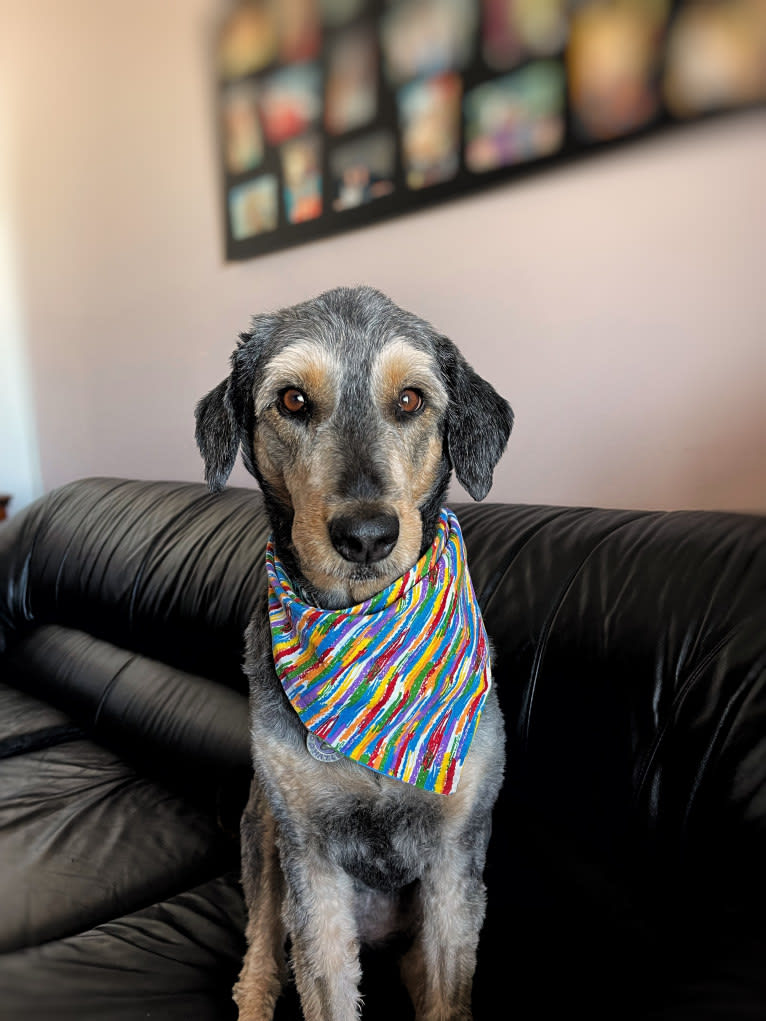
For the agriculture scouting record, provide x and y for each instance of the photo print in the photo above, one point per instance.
(254, 207)
(429, 118)
(614, 66)
(363, 170)
(519, 117)
(302, 177)
(242, 136)
(422, 37)
(290, 101)
(351, 95)
(517, 30)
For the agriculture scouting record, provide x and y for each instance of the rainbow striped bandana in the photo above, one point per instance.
(397, 682)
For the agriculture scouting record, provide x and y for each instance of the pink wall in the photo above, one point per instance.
(618, 303)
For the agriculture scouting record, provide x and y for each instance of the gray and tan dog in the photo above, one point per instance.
(351, 413)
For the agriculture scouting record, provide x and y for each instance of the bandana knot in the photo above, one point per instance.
(396, 683)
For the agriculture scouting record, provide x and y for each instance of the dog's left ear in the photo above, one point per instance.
(479, 422)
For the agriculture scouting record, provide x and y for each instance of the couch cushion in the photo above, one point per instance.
(29, 723)
(176, 960)
(84, 838)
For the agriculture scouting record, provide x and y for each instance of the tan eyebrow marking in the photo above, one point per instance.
(306, 364)
(401, 364)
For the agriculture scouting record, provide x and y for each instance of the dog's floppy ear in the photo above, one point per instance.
(479, 422)
(225, 416)
(217, 435)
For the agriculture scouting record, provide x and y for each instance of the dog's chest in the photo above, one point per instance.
(384, 843)
(378, 830)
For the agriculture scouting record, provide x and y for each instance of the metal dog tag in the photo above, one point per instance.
(319, 749)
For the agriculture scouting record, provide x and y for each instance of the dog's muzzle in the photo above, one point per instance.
(364, 538)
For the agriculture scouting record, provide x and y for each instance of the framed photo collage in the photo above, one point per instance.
(335, 114)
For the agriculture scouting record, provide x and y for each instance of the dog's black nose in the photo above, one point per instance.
(363, 539)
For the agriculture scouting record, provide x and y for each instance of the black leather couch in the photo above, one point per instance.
(627, 869)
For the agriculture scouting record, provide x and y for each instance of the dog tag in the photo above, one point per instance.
(319, 749)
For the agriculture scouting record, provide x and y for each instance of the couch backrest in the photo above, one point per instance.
(630, 648)
(164, 569)
(631, 653)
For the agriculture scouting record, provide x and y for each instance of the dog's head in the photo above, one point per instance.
(350, 413)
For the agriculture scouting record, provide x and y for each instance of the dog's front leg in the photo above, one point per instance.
(264, 970)
(438, 969)
(319, 914)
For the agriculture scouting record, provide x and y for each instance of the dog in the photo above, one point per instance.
(351, 413)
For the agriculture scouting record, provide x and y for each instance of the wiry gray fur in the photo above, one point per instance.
(333, 854)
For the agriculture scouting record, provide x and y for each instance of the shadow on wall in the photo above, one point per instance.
(20, 477)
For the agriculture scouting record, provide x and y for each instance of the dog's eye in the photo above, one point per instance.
(293, 400)
(410, 400)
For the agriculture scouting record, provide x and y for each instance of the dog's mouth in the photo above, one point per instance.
(364, 574)
(342, 586)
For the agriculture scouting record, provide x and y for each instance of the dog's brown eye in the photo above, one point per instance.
(293, 400)
(409, 401)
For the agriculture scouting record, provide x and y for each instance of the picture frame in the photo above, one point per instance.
(336, 114)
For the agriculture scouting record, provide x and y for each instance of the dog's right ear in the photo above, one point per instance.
(217, 435)
(225, 416)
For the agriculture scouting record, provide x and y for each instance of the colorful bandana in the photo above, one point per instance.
(396, 683)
